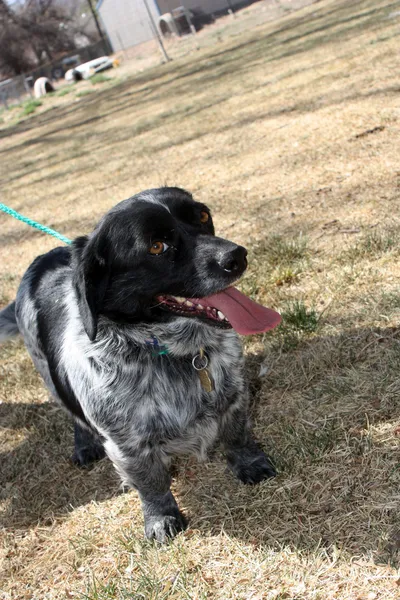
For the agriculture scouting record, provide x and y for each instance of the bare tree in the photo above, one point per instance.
(36, 31)
(15, 56)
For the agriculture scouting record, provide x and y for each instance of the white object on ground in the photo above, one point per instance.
(42, 87)
(90, 68)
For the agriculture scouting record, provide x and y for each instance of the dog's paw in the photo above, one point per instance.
(85, 457)
(250, 467)
(162, 527)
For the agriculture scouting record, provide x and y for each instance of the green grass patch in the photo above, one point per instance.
(284, 275)
(300, 318)
(281, 260)
(99, 591)
(372, 245)
(278, 250)
(84, 93)
(276, 261)
(63, 92)
(99, 78)
(30, 106)
(298, 323)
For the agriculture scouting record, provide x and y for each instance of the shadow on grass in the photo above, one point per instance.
(327, 412)
(38, 481)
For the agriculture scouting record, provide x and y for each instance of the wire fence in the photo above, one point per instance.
(140, 42)
(12, 90)
(19, 88)
(182, 30)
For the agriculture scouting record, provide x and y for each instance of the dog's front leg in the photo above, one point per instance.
(150, 477)
(88, 447)
(244, 456)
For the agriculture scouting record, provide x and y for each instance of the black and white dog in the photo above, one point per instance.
(132, 329)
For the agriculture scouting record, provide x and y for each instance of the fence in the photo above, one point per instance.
(130, 35)
(128, 23)
(17, 89)
(133, 33)
(12, 90)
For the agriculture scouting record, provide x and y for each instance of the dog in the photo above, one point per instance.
(133, 330)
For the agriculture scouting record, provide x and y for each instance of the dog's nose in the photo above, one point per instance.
(234, 260)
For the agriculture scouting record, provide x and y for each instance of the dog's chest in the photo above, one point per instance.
(163, 399)
(166, 384)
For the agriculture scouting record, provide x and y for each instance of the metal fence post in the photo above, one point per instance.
(156, 33)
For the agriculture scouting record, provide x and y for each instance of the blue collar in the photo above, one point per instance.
(157, 349)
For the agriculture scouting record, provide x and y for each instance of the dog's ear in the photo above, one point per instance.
(91, 276)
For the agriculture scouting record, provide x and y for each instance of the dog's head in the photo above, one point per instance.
(153, 257)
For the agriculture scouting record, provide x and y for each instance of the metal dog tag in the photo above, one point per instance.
(205, 380)
(200, 363)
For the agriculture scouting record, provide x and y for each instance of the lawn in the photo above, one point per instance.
(290, 132)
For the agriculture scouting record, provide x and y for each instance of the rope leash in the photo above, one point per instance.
(32, 223)
(158, 349)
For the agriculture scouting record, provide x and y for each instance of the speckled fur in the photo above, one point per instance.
(140, 407)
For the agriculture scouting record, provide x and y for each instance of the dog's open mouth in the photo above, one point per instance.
(194, 307)
(227, 309)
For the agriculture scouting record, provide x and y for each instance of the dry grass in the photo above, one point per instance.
(291, 134)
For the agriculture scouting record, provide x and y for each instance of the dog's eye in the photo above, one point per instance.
(158, 248)
(204, 216)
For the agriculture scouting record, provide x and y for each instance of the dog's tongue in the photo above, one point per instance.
(245, 316)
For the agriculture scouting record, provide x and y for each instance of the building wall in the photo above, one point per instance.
(127, 22)
(208, 7)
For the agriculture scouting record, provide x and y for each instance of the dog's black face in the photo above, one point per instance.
(148, 256)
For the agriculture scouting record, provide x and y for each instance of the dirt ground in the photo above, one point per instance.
(290, 133)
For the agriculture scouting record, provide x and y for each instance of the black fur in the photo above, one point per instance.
(120, 360)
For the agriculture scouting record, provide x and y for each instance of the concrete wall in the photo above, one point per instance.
(127, 22)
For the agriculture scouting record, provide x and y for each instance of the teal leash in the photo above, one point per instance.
(157, 349)
(32, 223)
